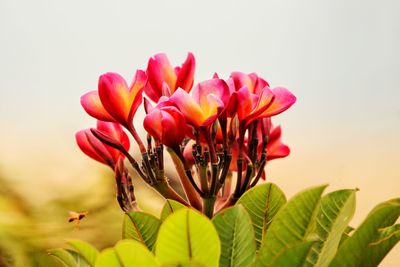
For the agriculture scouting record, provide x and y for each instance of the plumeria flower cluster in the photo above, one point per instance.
(218, 132)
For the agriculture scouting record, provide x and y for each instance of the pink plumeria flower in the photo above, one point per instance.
(115, 100)
(253, 99)
(163, 79)
(207, 101)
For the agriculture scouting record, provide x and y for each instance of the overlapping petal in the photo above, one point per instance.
(250, 107)
(115, 133)
(217, 87)
(259, 104)
(162, 76)
(93, 148)
(99, 151)
(119, 100)
(283, 99)
(252, 81)
(244, 102)
(189, 107)
(208, 100)
(167, 125)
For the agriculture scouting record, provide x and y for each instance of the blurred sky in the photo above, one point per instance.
(340, 58)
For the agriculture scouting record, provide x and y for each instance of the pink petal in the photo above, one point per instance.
(232, 106)
(172, 122)
(231, 85)
(241, 79)
(212, 107)
(166, 125)
(147, 106)
(114, 131)
(159, 70)
(114, 96)
(217, 87)
(120, 101)
(283, 100)
(244, 103)
(152, 124)
(186, 74)
(277, 150)
(259, 83)
(275, 134)
(93, 148)
(152, 93)
(92, 105)
(165, 102)
(189, 108)
(254, 83)
(135, 93)
(264, 101)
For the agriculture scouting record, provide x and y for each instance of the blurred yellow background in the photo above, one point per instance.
(340, 58)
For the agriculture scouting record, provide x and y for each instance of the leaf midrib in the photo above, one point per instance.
(137, 230)
(266, 213)
(233, 243)
(190, 252)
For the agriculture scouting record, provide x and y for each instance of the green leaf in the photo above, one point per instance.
(142, 227)
(133, 253)
(262, 203)
(373, 239)
(187, 235)
(170, 207)
(107, 258)
(126, 253)
(346, 234)
(387, 239)
(64, 256)
(236, 233)
(79, 259)
(87, 251)
(184, 264)
(293, 256)
(335, 212)
(291, 225)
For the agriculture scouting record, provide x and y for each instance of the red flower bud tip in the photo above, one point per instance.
(97, 150)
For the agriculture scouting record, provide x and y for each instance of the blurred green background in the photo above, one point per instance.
(340, 58)
(30, 226)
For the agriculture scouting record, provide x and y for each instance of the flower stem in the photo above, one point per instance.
(135, 135)
(166, 191)
(187, 183)
(208, 206)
